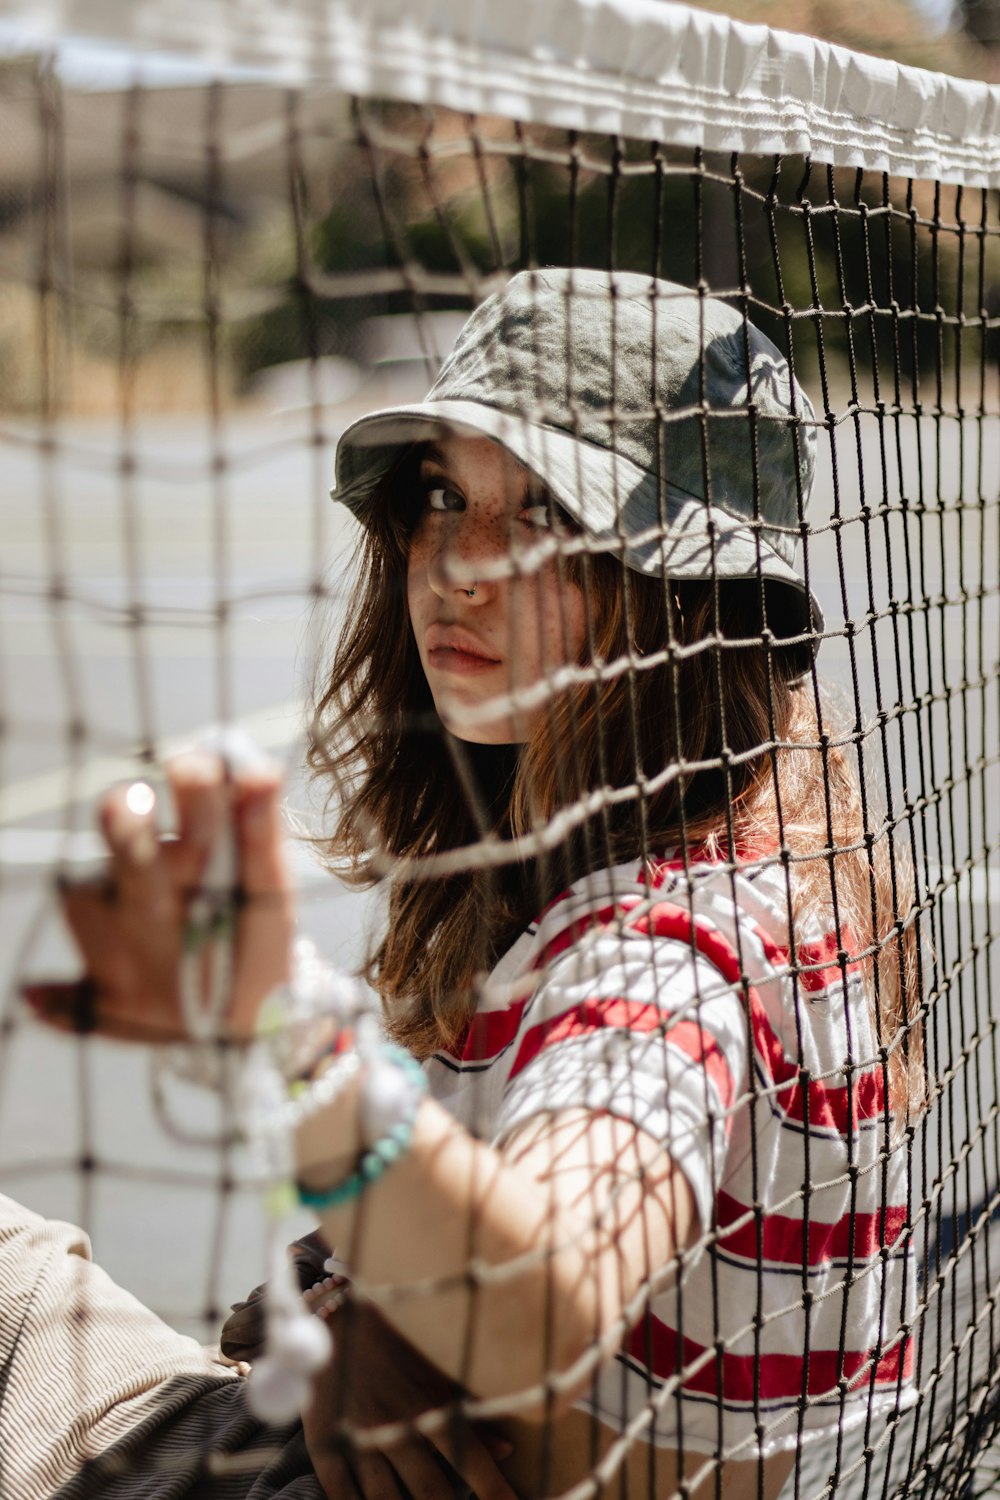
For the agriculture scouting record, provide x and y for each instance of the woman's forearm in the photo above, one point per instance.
(414, 1236)
(472, 1260)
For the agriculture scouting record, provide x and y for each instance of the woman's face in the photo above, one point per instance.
(480, 636)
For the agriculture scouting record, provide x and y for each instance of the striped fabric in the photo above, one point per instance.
(680, 997)
(100, 1400)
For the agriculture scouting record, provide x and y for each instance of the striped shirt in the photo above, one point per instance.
(679, 996)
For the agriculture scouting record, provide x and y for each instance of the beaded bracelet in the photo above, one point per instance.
(392, 1083)
(391, 1091)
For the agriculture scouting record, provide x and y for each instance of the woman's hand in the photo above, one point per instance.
(376, 1377)
(131, 924)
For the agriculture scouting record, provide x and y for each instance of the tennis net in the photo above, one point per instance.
(223, 238)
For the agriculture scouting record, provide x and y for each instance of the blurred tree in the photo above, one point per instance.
(981, 19)
(966, 46)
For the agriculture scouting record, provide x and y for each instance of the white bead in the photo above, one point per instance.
(276, 1394)
(367, 1037)
(386, 1100)
(302, 1343)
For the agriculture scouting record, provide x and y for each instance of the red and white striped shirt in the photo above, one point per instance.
(680, 997)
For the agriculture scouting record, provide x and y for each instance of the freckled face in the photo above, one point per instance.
(475, 510)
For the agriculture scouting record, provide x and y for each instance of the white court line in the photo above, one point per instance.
(271, 728)
(23, 847)
(49, 848)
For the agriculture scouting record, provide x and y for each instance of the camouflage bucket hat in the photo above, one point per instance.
(667, 426)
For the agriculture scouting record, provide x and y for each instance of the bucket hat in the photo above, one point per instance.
(663, 422)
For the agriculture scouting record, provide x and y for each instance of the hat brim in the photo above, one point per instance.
(656, 528)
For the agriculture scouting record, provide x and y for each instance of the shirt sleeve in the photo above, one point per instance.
(642, 1028)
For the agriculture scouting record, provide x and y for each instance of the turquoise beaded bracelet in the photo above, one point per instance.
(377, 1158)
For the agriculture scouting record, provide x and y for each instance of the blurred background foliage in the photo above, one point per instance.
(172, 276)
(826, 246)
(948, 36)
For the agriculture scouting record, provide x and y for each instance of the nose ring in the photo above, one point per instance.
(471, 593)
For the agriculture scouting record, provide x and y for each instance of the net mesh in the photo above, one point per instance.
(203, 287)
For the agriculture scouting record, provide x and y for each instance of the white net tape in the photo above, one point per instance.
(632, 67)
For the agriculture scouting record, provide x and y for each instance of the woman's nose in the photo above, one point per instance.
(456, 566)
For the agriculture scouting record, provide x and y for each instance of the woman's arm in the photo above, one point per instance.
(502, 1266)
(514, 1270)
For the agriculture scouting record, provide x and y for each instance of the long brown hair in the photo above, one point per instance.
(698, 724)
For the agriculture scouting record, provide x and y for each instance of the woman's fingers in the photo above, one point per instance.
(389, 1381)
(80, 1008)
(332, 1471)
(138, 874)
(229, 849)
(365, 1476)
(496, 1445)
(158, 926)
(416, 1462)
(421, 1473)
(375, 1477)
(259, 832)
(266, 918)
(410, 1467)
(196, 782)
(469, 1456)
(68, 1007)
(128, 990)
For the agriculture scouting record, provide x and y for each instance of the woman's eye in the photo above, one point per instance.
(440, 497)
(545, 517)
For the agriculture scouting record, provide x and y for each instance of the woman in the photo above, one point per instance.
(652, 1212)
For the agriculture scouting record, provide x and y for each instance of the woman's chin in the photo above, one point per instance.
(464, 723)
(498, 732)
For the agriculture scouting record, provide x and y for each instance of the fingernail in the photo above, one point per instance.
(42, 995)
(238, 750)
(75, 1001)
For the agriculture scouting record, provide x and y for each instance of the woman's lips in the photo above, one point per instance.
(451, 649)
(461, 663)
